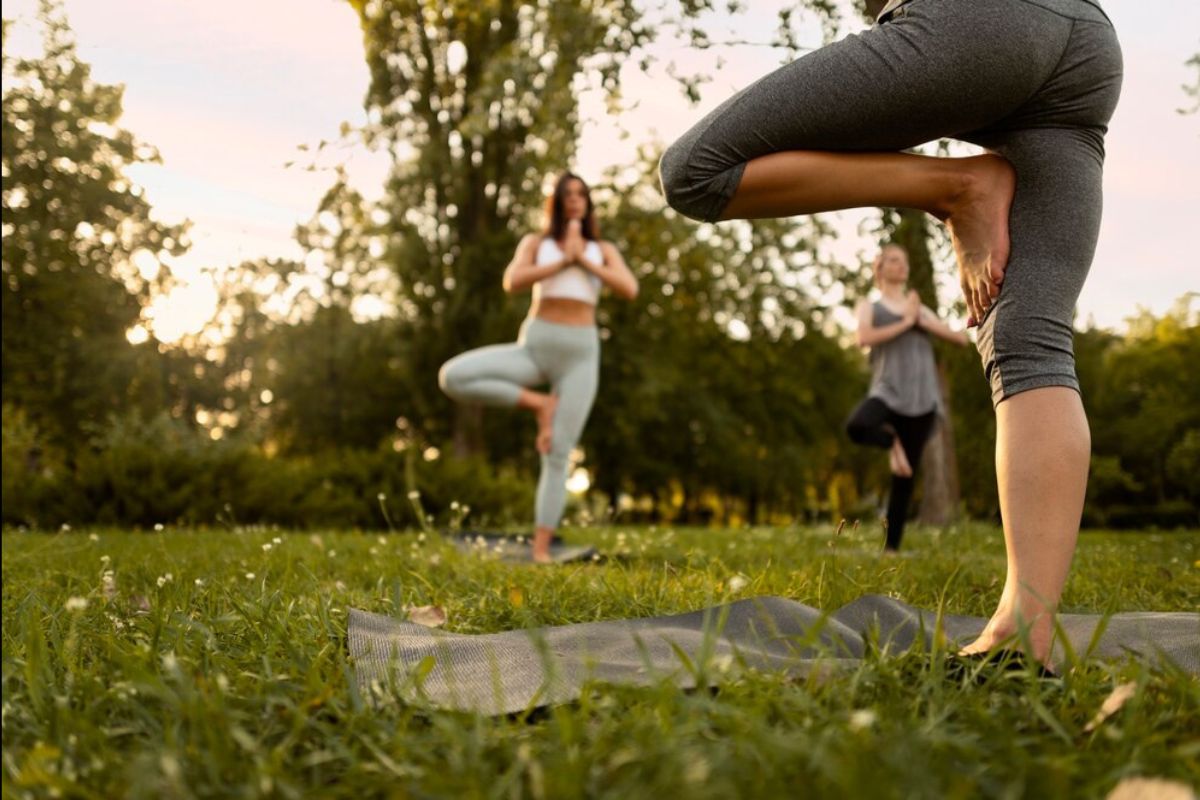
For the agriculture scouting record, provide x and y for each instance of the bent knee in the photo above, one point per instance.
(449, 379)
(1023, 351)
(694, 188)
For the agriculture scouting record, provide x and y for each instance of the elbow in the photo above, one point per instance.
(631, 292)
(507, 283)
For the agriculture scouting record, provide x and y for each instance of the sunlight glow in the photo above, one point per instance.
(579, 482)
(182, 311)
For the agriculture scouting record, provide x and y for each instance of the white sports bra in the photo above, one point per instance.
(573, 282)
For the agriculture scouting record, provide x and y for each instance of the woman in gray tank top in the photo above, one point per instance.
(905, 399)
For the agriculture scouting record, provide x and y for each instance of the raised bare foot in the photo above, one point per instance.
(899, 460)
(545, 423)
(978, 223)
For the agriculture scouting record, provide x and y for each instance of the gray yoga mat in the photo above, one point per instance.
(518, 549)
(513, 671)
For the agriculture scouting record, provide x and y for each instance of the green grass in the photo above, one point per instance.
(211, 665)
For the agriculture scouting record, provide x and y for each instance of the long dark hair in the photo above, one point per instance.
(556, 214)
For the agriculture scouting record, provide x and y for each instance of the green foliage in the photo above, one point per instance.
(74, 226)
(157, 471)
(30, 467)
(214, 664)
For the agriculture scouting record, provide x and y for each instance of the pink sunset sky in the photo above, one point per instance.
(227, 91)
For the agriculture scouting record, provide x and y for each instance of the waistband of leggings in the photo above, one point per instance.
(1089, 10)
(560, 329)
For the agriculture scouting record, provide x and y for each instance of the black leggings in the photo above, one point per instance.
(873, 423)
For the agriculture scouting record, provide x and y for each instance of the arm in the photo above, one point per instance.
(522, 273)
(929, 321)
(612, 271)
(868, 335)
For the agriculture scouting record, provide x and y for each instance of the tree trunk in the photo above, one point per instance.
(468, 430)
(940, 493)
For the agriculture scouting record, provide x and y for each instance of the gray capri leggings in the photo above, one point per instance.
(567, 357)
(1033, 80)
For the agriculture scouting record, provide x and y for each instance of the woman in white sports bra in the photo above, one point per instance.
(566, 265)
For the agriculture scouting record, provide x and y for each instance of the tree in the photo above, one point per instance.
(81, 249)
(476, 101)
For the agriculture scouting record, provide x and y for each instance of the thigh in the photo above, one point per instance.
(941, 69)
(870, 413)
(507, 362)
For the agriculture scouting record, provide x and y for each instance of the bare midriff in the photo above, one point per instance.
(564, 311)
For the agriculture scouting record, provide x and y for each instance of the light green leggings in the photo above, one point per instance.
(567, 357)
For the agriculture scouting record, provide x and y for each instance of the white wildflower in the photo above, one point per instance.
(278, 540)
(862, 719)
(163, 580)
(381, 497)
(170, 662)
(75, 604)
(414, 495)
(738, 582)
(93, 537)
(158, 527)
(65, 528)
(266, 547)
(249, 576)
(199, 581)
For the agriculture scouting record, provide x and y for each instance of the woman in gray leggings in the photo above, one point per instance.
(565, 265)
(1033, 81)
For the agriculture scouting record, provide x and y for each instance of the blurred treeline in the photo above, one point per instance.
(310, 399)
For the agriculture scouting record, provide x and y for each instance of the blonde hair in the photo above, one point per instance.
(875, 266)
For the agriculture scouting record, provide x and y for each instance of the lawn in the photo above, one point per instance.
(214, 664)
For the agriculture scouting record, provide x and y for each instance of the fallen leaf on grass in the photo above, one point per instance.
(1151, 789)
(1112, 704)
(429, 616)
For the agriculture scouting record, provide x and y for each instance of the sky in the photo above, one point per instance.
(228, 90)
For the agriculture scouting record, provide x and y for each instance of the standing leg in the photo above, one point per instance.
(1042, 439)
(913, 433)
(576, 390)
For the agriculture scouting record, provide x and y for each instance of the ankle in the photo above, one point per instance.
(962, 185)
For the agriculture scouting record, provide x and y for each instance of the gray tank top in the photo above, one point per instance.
(903, 372)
